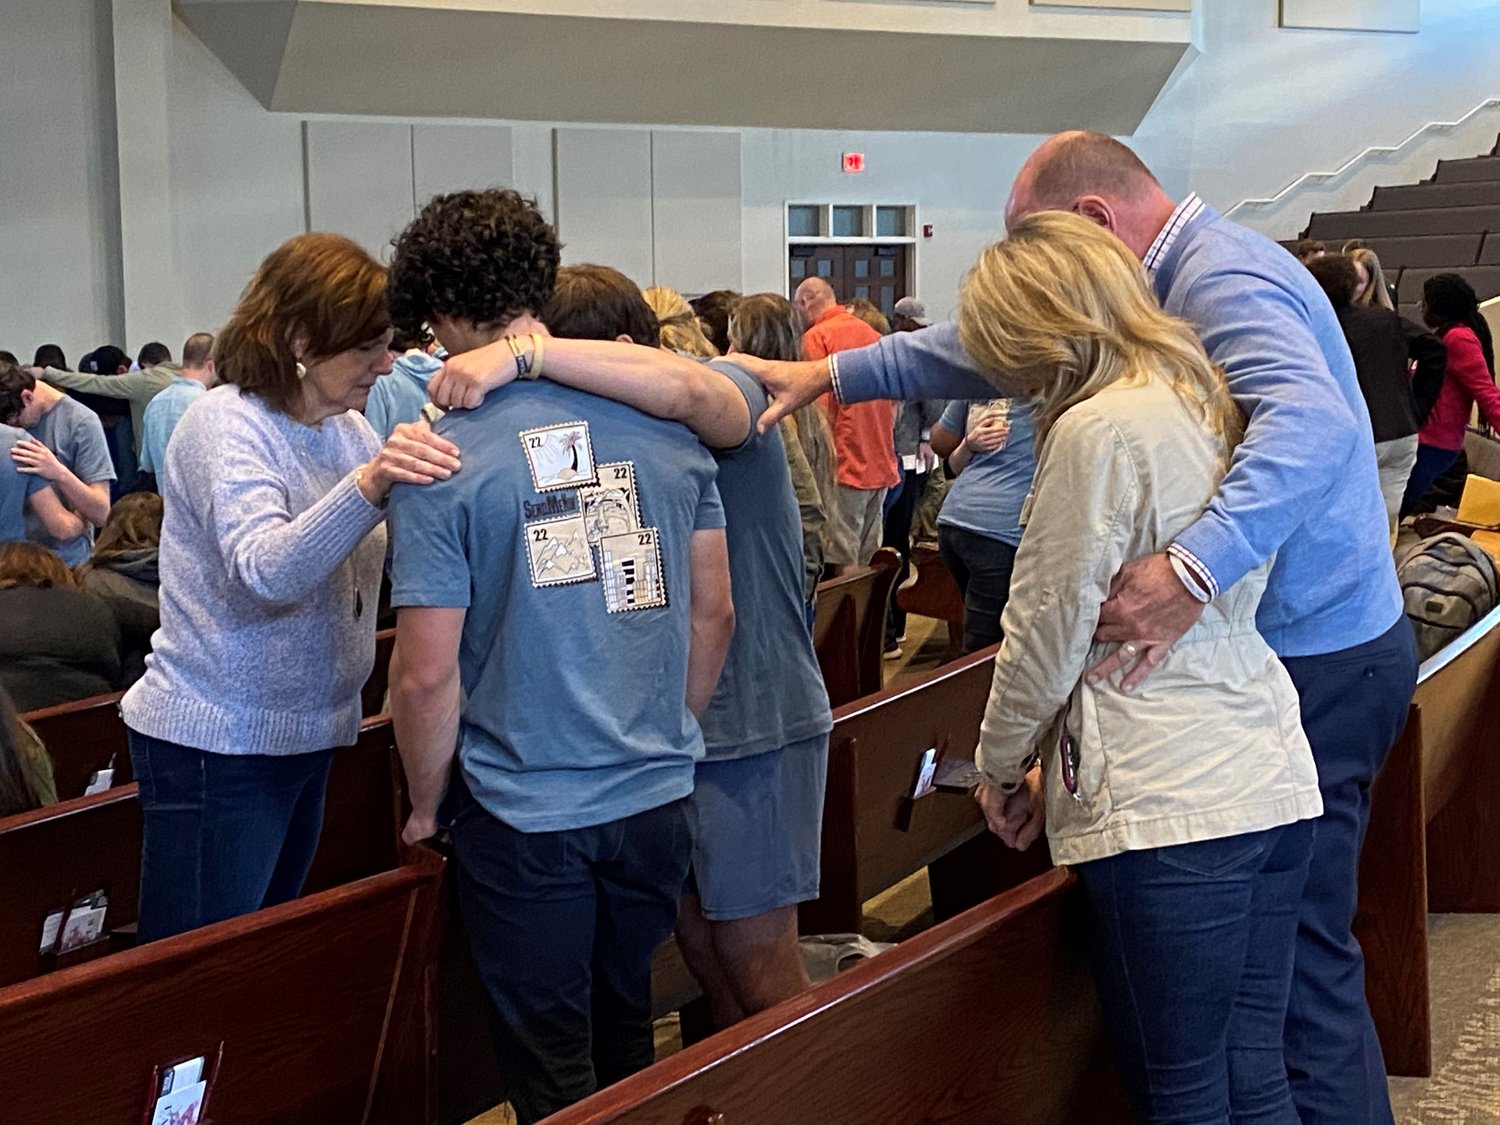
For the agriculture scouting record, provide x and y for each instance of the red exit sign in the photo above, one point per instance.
(854, 162)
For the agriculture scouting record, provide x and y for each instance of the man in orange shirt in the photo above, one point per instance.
(863, 434)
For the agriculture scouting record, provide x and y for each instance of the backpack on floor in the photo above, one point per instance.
(1448, 582)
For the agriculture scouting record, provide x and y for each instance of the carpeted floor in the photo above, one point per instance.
(1465, 1085)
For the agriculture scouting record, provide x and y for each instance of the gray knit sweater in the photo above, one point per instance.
(270, 574)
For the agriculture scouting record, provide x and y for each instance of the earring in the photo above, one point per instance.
(301, 371)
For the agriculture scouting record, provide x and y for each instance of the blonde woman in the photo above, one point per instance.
(680, 330)
(1186, 805)
(765, 325)
(1373, 289)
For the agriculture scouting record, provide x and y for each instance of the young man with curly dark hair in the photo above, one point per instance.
(564, 612)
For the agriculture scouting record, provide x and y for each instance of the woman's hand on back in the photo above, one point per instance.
(412, 455)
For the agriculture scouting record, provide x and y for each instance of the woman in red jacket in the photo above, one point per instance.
(1451, 309)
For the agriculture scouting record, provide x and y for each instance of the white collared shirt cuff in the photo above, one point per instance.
(1196, 577)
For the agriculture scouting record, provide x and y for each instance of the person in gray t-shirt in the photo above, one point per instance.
(66, 449)
(24, 495)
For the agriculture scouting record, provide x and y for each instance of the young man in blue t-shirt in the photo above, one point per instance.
(757, 806)
(564, 612)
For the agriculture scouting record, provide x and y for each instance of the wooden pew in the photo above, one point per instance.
(372, 696)
(51, 857)
(364, 812)
(932, 592)
(990, 1017)
(85, 736)
(82, 738)
(874, 835)
(849, 627)
(1433, 835)
(319, 1006)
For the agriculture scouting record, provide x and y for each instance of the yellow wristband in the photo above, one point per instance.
(538, 349)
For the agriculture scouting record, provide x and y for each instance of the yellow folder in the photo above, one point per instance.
(1481, 502)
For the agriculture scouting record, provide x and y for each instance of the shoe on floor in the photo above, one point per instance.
(892, 653)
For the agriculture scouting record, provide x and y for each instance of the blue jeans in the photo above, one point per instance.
(1354, 704)
(225, 834)
(1192, 951)
(982, 568)
(1432, 463)
(563, 927)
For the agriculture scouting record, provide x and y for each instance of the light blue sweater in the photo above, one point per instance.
(399, 395)
(1302, 485)
(270, 574)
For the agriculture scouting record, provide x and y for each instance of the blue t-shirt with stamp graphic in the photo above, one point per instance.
(73, 432)
(16, 487)
(771, 693)
(566, 537)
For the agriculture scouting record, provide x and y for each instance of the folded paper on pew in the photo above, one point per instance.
(1480, 504)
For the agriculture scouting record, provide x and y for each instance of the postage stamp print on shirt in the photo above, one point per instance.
(611, 507)
(558, 551)
(559, 456)
(633, 577)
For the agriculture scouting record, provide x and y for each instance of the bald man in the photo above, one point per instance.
(1303, 486)
(863, 433)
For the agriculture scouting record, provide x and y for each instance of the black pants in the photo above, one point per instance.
(563, 927)
(901, 506)
(982, 568)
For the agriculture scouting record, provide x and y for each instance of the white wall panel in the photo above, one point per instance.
(603, 179)
(359, 181)
(696, 209)
(459, 158)
(1353, 15)
(235, 176)
(59, 180)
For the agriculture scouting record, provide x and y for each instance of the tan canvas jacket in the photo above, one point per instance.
(1211, 744)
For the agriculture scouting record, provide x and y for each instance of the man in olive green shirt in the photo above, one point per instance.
(138, 387)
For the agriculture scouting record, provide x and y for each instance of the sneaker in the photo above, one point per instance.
(893, 652)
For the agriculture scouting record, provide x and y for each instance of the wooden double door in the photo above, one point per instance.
(877, 272)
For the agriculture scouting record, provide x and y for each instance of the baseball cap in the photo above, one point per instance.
(913, 308)
(104, 361)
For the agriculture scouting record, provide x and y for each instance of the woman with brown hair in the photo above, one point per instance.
(271, 556)
(25, 770)
(765, 325)
(59, 643)
(124, 562)
(123, 570)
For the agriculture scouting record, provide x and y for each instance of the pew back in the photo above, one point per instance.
(989, 1017)
(874, 834)
(372, 695)
(51, 857)
(318, 1005)
(82, 738)
(849, 627)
